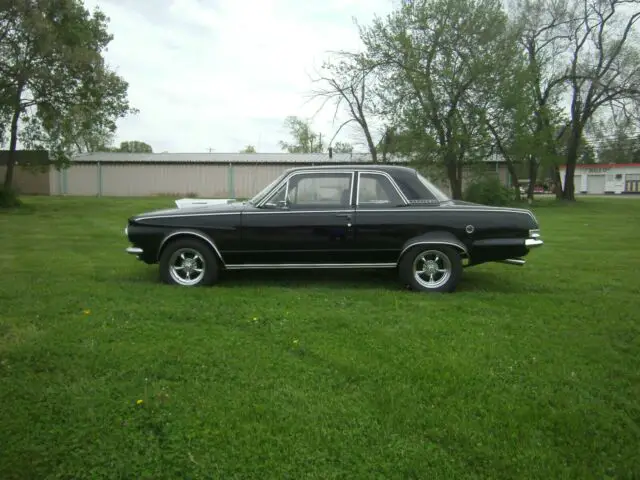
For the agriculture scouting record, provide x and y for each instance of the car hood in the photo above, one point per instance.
(197, 210)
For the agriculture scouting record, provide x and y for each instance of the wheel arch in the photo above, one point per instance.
(435, 238)
(181, 234)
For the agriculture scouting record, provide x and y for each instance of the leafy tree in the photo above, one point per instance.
(56, 91)
(342, 147)
(583, 50)
(305, 140)
(248, 149)
(135, 146)
(436, 60)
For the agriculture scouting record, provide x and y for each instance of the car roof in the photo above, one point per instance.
(370, 166)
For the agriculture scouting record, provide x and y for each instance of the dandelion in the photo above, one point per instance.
(295, 341)
(139, 402)
(87, 312)
(255, 319)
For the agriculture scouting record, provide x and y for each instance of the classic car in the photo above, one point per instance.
(350, 216)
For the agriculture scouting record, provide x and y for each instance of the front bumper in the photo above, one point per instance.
(134, 251)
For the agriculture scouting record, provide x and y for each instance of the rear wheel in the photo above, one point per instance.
(188, 262)
(431, 268)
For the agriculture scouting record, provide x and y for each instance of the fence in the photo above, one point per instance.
(192, 179)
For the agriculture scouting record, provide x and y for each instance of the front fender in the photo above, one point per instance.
(435, 238)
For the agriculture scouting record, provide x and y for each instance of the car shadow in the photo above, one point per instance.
(353, 279)
(474, 280)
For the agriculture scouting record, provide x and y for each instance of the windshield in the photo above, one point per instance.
(437, 193)
(265, 190)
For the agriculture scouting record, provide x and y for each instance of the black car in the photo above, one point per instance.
(352, 216)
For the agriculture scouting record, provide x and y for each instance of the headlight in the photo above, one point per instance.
(126, 231)
(534, 233)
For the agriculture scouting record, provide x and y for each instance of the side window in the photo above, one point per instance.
(315, 190)
(375, 190)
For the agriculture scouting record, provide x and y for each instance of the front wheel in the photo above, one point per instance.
(432, 268)
(189, 263)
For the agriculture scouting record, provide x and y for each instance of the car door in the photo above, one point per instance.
(308, 220)
(381, 224)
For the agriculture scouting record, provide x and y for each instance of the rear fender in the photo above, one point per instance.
(435, 238)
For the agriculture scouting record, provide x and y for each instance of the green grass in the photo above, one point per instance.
(529, 372)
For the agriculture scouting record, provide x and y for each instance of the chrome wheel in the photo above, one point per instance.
(432, 269)
(187, 266)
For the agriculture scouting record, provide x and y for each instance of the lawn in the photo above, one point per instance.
(529, 372)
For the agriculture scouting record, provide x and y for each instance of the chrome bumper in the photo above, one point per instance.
(134, 251)
(533, 242)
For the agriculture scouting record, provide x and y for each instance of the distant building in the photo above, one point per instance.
(603, 178)
(212, 175)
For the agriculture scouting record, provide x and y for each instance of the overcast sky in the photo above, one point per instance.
(222, 74)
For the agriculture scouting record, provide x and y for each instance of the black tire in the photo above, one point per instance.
(447, 258)
(206, 260)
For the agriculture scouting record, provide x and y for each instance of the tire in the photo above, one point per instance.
(189, 248)
(447, 261)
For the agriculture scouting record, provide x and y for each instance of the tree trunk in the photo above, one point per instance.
(557, 182)
(455, 179)
(514, 178)
(568, 193)
(13, 142)
(533, 176)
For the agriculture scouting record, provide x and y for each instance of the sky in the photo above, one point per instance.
(223, 74)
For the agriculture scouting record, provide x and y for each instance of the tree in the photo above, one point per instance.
(305, 140)
(135, 146)
(342, 147)
(616, 140)
(54, 84)
(435, 61)
(346, 84)
(248, 149)
(584, 50)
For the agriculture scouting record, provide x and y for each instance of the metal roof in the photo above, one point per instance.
(274, 158)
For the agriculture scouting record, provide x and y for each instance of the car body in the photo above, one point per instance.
(349, 216)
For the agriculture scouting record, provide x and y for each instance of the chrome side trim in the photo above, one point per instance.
(134, 251)
(533, 243)
(434, 242)
(407, 209)
(193, 234)
(513, 261)
(271, 266)
(186, 215)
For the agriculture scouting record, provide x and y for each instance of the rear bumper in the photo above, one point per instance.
(533, 243)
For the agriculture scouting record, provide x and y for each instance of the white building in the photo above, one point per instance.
(600, 178)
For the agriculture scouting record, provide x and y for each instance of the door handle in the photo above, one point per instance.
(344, 215)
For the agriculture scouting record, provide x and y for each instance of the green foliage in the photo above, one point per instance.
(437, 62)
(55, 87)
(305, 140)
(342, 147)
(248, 149)
(134, 146)
(9, 198)
(488, 190)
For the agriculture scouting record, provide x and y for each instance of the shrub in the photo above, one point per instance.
(488, 191)
(9, 198)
